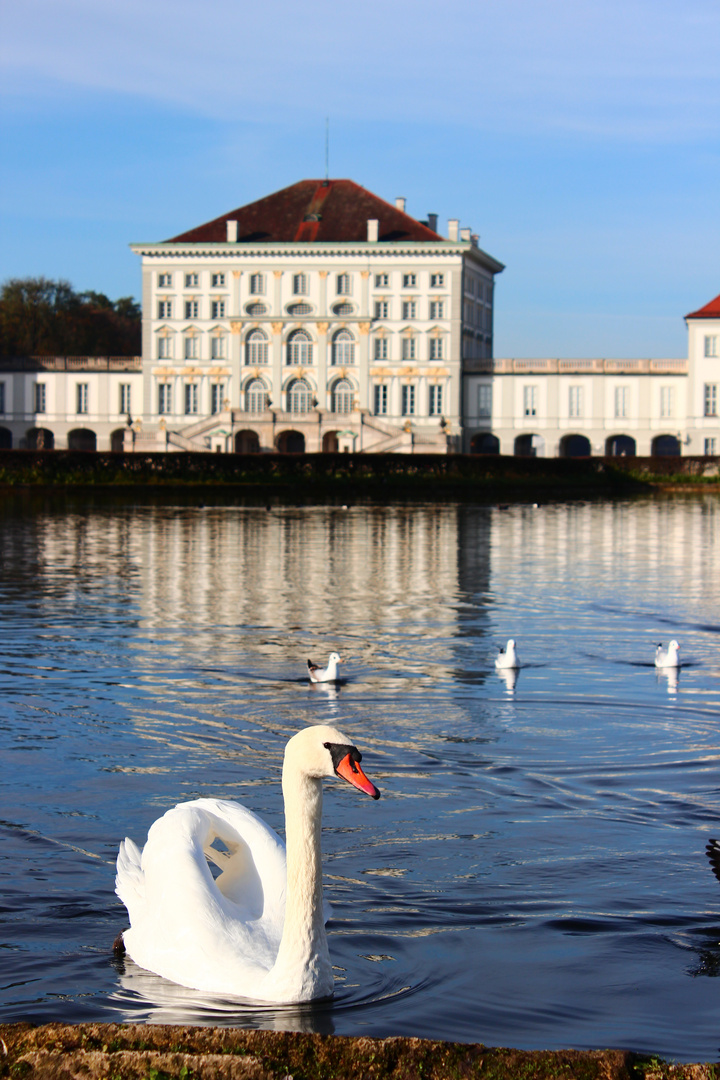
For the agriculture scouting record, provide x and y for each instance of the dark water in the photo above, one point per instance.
(534, 874)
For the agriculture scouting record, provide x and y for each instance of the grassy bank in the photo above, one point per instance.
(383, 476)
(161, 1052)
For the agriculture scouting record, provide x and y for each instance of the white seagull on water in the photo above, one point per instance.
(508, 657)
(668, 658)
(326, 674)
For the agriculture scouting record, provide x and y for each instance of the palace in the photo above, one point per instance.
(322, 318)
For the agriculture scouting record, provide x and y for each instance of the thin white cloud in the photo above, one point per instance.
(623, 68)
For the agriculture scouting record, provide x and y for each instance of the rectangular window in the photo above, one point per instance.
(164, 399)
(40, 397)
(192, 348)
(408, 400)
(409, 281)
(217, 281)
(165, 348)
(343, 284)
(217, 396)
(380, 348)
(191, 399)
(437, 309)
(622, 401)
(2, 397)
(710, 396)
(164, 281)
(82, 394)
(218, 309)
(436, 348)
(435, 400)
(191, 281)
(192, 307)
(299, 284)
(164, 309)
(408, 348)
(125, 398)
(382, 309)
(381, 400)
(667, 401)
(217, 348)
(409, 309)
(382, 281)
(257, 284)
(711, 345)
(710, 447)
(485, 399)
(437, 281)
(530, 399)
(575, 401)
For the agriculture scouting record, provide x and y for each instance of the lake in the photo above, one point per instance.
(534, 874)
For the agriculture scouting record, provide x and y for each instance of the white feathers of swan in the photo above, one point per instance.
(258, 929)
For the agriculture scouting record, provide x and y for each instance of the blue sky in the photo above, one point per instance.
(580, 140)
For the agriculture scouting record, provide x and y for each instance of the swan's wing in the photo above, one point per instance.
(219, 934)
(130, 881)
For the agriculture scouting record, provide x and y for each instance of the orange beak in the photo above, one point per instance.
(351, 771)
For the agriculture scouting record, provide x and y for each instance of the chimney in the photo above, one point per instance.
(474, 239)
(453, 226)
(232, 227)
(400, 203)
(432, 222)
(372, 227)
(465, 234)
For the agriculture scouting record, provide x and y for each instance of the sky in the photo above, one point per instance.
(580, 139)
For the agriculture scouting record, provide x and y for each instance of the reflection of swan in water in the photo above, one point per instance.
(509, 676)
(672, 676)
(238, 935)
(508, 658)
(668, 658)
(146, 998)
(326, 674)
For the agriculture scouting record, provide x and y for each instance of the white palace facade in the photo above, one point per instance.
(322, 318)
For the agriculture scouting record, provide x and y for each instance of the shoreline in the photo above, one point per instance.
(166, 1052)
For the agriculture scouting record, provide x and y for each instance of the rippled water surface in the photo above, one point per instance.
(534, 874)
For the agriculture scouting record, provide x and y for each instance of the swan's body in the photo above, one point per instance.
(668, 658)
(326, 674)
(508, 657)
(258, 930)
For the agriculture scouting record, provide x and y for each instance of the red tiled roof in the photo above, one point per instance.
(312, 210)
(710, 311)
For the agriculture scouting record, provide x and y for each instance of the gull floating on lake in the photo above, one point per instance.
(668, 658)
(326, 674)
(508, 657)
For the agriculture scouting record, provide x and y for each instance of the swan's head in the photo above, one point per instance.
(320, 751)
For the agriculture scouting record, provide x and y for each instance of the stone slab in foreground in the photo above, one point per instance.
(150, 1052)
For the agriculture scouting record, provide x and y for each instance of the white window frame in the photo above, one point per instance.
(409, 281)
(217, 308)
(576, 402)
(217, 281)
(622, 401)
(125, 399)
(437, 309)
(435, 399)
(192, 308)
(530, 400)
(256, 397)
(437, 348)
(165, 309)
(217, 397)
(407, 395)
(191, 347)
(40, 397)
(256, 348)
(82, 398)
(299, 349)
(382, 309)
(342, 397)
(667, 402)
(711, 345)
(218, 349)
(437, 281)
(299, 397)
(192, 399)
(192, 281)
(710, 446)
(164, 280)
(380, 399)
(343, 349)
(300, 284)
(343, 284)
(164, 399)
(710, 399)
(165, 347)
(380, 348)
(257, 284)
(409, 309)
(408, 349)
(485, 396)
(382, 281)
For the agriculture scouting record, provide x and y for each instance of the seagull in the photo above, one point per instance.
(508, 658)
(327, 674)
(668, 658)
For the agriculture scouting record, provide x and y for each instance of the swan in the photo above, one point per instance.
(258, 929)
(668, 658)
(508, 657)
(327, 674)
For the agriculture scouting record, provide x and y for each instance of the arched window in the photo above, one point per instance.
(299, 348)
(256, 309)
(255, 396)
(343, 348)
(256, 348)
(299, 398)
(342, 397)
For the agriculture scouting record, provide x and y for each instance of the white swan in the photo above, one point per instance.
(257, 930)
(668, 658)
(508, 657)
(327, 674)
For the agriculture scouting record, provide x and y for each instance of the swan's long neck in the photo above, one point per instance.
(303, 960)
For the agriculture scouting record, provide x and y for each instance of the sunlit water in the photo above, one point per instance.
(534, 874)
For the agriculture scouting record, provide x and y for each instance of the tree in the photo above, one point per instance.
(41, 317)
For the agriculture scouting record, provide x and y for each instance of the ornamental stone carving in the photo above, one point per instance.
(236, 326)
